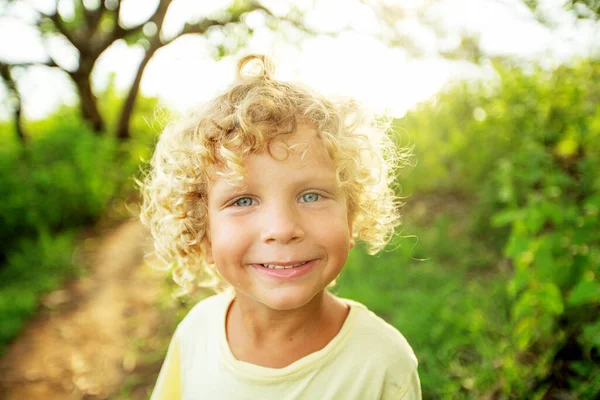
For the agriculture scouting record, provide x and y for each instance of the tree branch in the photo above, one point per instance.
(59, 23)
(49, 63)
(158, 18)
(294, 22)
(199, 27)
(93, 18)
(116, 16)
(87, 14)
(119, 32)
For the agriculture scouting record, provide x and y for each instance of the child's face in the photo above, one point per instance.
(289, 211)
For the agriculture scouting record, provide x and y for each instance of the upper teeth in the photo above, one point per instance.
(283, 267)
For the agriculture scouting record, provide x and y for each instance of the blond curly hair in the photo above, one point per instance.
(242, 121)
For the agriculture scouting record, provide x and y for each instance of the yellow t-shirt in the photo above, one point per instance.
(367, 359)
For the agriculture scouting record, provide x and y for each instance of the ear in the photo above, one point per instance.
(206, 247)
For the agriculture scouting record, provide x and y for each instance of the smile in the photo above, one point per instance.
(277, 270)
(274, 266)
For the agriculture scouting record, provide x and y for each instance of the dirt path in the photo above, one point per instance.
(79, 347)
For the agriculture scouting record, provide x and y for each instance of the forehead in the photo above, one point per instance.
(304, 144)
(302, 150)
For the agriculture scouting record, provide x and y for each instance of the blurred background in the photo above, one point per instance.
(493, 276)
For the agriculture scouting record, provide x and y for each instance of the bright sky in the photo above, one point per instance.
(184, 74)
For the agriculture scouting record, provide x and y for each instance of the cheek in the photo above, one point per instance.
(228, 240)
(333, 229)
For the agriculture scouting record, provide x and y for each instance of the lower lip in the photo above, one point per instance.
(290, 273)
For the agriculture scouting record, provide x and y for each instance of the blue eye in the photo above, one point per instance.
(310, 197)
(244, 202)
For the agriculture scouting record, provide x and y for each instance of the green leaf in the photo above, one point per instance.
(566, 147)
(517, 244)
(550, 299)
(534, 219)
(524, 332)
(506, 217)
(553, 211)
(591, 335)
(585, 292)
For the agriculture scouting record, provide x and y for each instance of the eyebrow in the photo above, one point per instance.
(318, 176)
(225, 189)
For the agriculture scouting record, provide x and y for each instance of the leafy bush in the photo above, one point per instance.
(549, 195)
(63, 178)
(448, 315)
(35, 267)
(524, 152)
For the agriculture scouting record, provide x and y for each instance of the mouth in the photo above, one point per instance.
(282, 270)
(277, 265)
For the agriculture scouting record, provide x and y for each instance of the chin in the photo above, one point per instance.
(286, 300)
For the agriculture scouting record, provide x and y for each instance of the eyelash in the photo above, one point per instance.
(319, 196)
(235, 202)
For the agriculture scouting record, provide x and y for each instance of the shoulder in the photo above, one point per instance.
(385, 349)
(206, 312)
(382, 337)
(201, 329)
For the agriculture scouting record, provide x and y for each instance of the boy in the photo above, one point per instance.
(262, 194)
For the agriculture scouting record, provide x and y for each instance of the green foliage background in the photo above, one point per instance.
(492, 279)
(495, 280)
(66, 178)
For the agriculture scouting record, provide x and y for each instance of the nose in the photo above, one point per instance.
(282, 224)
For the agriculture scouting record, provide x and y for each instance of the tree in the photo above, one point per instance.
(583, 9)
(94, 27)
(13, 92)
(155, 42)
(396, 17)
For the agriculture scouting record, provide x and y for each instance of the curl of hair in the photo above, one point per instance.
(242, 121)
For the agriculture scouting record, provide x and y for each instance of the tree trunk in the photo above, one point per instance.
(127, 110)
(88, 102)
(17, 112)
(19, 122)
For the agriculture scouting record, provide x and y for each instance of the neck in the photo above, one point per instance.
(261, 324)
